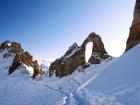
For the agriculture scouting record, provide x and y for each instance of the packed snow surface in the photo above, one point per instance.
(124, 72)
(113, 82)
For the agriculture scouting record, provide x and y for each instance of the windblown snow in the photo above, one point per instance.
(113, 82)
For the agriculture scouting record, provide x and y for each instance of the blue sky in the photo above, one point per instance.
(46, 28)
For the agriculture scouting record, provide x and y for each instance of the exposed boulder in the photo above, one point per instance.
(75, 57)
(21, 56)
(134, 34)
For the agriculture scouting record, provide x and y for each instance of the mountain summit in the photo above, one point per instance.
(9, 49)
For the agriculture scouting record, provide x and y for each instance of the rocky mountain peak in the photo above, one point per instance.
(13, 46)
(20, 57)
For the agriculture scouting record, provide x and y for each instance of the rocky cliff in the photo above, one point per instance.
(21, 56)
(65, 65)
(134, 34)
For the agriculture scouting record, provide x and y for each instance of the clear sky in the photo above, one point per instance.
(46, 28)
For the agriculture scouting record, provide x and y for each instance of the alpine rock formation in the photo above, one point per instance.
(75, 57)
(104, 80)
(134, 34)
(20, 57)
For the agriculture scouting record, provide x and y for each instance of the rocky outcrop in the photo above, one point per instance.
(134, 34)
(37, 69)
(21, 56)
(14, 46)
(98, 51)
(75, 57)
(16, 63)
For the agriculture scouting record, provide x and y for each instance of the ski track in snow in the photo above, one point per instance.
(76, 89)
(72, 96)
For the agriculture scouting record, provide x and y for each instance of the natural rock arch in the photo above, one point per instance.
(97, 48)
(88, 51)
(75, 57)
(98, 45)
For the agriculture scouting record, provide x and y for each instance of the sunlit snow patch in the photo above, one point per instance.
(29, 69)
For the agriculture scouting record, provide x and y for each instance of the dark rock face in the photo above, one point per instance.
(97, 43)
(26, 58)
(21, 56)
(37, 69)
(134, 34)
(98, 51)
(16, 63)
(15, 47)
(75, 57)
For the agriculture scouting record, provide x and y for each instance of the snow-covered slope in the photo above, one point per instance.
(124, 72)
(117, 84)
(113, 82)
(20, 89)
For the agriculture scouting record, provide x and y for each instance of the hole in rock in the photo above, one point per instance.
(88, 51)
